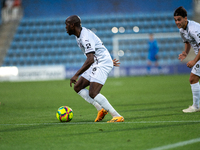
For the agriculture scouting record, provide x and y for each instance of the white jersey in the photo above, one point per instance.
(89, 42)
(191, 35)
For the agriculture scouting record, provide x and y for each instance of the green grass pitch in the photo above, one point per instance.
(151, 105)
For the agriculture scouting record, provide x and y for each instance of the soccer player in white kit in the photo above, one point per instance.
(94, 71)
(190, 33)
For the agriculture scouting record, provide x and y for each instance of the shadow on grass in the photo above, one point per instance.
(144, 127)
(27, 127)
(154, 109)
(152, 116)
(154, 103)
(24, 128)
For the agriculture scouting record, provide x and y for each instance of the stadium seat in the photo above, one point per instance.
(45, 42)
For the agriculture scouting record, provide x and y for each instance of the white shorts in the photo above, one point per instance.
(196, 69)
(98, 72)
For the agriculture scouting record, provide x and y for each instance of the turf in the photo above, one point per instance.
(151, 106)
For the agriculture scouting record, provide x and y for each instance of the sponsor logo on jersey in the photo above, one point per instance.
(88, 45)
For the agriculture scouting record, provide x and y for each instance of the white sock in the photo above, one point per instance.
(84, 93)
(106, 105)
(196, 94)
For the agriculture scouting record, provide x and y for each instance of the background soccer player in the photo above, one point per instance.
(190, 33)
(94, 71)
(152, 53)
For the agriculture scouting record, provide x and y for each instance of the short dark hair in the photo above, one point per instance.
(76, 20)
(180, 12)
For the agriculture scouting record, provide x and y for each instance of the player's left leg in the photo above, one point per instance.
(94, 93)
(149, 66)
(194, 81)
(158, 66)
(99, 75)
(195, 87)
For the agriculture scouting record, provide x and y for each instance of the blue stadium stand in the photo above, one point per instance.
(45, 41)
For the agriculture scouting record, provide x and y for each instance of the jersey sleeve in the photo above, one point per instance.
(89, 45)
(195, 33)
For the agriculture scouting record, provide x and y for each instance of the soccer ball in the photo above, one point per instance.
(64, 114)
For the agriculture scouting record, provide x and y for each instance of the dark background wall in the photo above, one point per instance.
(62, 8)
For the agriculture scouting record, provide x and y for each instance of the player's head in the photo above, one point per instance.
(151, 36)
(72, 22)
(180, 17)
(180, 12)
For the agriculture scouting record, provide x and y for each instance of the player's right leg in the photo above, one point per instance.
(80, 88)
(82, 83)
(101, 114)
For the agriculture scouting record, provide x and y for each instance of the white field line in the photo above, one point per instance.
(170, 146)
(80, 123)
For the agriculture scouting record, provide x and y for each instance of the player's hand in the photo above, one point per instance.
(182, 56)
(191, 63)
(116, 63)
(73, 80)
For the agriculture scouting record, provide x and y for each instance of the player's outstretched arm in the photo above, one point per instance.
(89, 61)
(184, 54)
(73, 79)
(116, 62)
